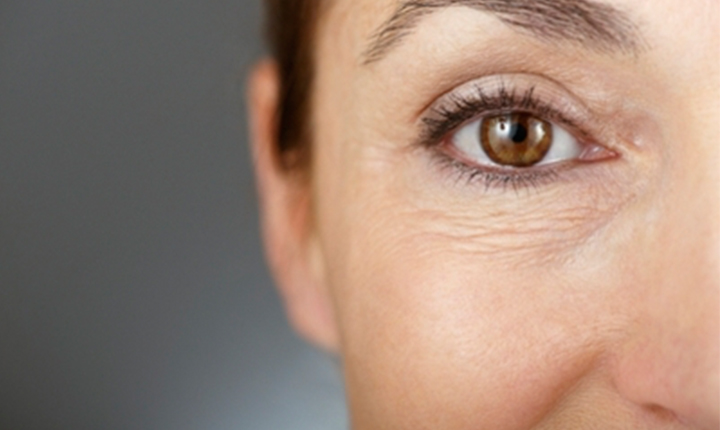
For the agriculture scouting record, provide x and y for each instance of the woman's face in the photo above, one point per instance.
(513, 213)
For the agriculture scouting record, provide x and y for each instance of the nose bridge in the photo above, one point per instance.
(673, 359)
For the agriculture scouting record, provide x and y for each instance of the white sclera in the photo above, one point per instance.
(563, 147)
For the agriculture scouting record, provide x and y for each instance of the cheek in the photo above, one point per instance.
(431, 325)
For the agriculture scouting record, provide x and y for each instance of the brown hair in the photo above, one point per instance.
(290, 30)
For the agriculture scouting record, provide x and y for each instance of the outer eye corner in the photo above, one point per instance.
(594, 152)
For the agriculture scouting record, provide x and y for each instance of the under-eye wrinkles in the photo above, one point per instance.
(543, 235)
(591, 24)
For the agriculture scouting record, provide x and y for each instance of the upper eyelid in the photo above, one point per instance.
(545, 89)
(511, 80)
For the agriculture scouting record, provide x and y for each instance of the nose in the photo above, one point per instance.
(670, 362)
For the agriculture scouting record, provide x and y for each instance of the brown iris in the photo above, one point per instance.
(515, 139)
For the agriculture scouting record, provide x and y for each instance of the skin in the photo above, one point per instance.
(591, 301)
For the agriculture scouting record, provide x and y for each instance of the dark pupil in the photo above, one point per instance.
(518, 132)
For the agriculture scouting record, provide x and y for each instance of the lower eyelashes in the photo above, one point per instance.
(516, 180)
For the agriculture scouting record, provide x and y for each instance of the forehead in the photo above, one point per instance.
(353, 21)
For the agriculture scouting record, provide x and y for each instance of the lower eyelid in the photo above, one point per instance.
(490, 178)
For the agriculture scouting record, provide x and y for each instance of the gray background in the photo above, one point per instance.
(133, 294)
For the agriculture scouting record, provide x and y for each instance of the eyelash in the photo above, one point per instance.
(444, 120)
(491, 179)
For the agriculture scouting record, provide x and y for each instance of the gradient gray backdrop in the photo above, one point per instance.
(133, 294)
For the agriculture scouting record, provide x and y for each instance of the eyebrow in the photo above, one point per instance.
(591, 24)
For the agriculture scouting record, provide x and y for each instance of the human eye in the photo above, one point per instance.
(514, 130)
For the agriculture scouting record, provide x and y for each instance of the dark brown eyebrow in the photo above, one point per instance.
(591, 24)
